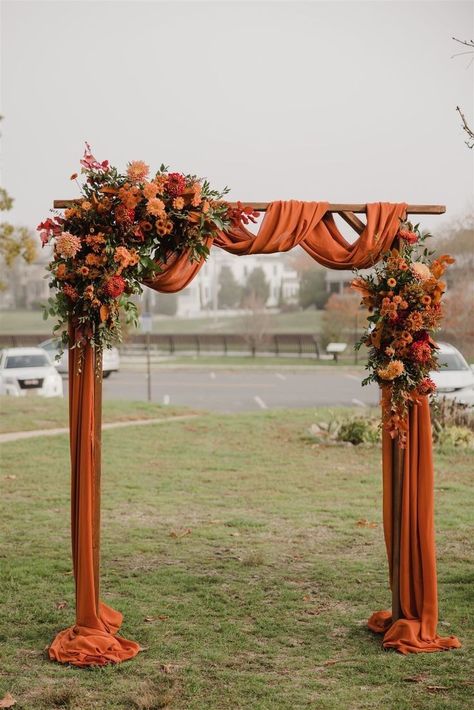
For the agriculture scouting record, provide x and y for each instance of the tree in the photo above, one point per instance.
(230, 291)
(313, 288)
(256, 287)
(343, 318)
(15, 242)
(469, 43)
(255, 323)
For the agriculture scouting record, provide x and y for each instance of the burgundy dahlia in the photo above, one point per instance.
(175, 184)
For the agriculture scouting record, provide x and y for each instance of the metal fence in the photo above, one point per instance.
(275, 344)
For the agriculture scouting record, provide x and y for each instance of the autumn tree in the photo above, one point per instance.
(15, 242)
(343, 318)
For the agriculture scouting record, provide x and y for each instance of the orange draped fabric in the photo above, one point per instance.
(92, 640)
(289, 224)
(416, 631)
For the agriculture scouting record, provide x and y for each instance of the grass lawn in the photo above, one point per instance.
(28, 413)
(297, 322)
(238, 552)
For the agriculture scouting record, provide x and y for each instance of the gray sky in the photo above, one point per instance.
(340, 101)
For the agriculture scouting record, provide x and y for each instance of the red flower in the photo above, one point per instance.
(408, 236)
(70, 292)
(115, 286)
(175, 184)
(90, 163)
(422, 336)
(421, 351)
(426, 386)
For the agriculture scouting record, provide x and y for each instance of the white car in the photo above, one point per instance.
(455, 378)
(28, 371)
(110, 357)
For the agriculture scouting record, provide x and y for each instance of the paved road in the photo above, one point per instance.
(243, 390)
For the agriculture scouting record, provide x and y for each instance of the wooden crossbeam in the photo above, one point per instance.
(336, 207)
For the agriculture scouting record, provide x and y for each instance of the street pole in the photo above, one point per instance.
(146, 326)
(148, 365)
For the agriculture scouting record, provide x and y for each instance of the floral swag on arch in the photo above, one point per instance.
(131, 229)
(126, 227)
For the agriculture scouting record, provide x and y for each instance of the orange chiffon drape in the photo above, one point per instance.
(416, 631)
(93, 640)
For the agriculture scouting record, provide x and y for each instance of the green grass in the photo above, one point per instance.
(297, 322)
(28, 413)
(262, 605)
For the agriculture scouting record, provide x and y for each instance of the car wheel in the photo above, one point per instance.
(106, 374)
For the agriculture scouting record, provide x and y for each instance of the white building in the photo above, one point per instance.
(202, 294)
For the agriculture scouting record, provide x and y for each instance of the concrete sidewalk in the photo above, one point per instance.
(17, 435)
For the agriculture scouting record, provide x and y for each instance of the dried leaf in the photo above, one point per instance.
(180, 533)
(436, 688)
(10, 477)
(166, 667)
(104, 312)
(366, 524)
(61, 605)
(416, 678)
(149, 619)
(235, 534)
(8, 701)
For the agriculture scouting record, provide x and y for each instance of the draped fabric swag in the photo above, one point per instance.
(93, 640)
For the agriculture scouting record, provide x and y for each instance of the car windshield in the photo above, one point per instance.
(452, 361)
(14, 361)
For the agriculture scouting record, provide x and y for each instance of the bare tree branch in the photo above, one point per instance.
(470, 133)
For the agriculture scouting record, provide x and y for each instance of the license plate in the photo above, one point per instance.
(31, 383)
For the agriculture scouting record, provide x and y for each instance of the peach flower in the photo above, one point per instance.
(137, 170)
(67, 245)
(155, 206)
(421, 271)
(394, 369)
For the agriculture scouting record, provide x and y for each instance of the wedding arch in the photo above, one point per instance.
(411, 625)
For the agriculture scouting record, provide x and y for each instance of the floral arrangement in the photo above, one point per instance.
(403, 295)
(119, 233)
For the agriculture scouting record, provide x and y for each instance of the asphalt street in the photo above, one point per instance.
(243, 390)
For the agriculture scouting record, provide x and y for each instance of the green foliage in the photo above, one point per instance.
(230, 291)
(359, 430)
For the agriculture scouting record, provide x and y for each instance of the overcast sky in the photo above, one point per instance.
(340, 101)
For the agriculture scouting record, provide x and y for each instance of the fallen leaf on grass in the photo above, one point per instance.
(366, 524)
(68, 574)
(235, 534)
(61, 605)
(166, 667)
(8, 701)
(10, 477)
(416, 678)
(180, 533)
(436, 688)
(150, 619)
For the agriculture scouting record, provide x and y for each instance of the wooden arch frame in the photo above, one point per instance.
(348, 212)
